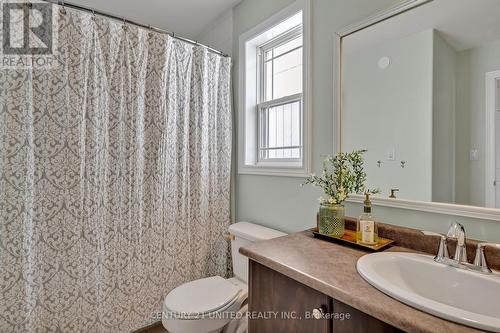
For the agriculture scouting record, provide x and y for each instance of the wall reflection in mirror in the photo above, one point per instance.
(422, 94)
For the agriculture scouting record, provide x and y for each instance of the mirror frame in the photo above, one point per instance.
(483, 213)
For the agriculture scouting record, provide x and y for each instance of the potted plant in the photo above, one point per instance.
(343, 174)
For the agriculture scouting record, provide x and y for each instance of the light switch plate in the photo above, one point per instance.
(391, 155)
(474, 155)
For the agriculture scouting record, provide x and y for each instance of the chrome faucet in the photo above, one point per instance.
(442, 256)
(459, 260)
(457, 231)
(480, 263)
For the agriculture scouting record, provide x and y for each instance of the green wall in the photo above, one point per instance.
(280, 202)
(384, 117)
(473, 64)
(443, 122)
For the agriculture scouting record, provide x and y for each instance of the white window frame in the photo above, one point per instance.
(270, 104)
(250, 91)
(263, 104)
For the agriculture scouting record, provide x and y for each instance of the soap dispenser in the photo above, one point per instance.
(366, 227)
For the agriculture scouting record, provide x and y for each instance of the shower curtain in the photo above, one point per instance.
(114, 177)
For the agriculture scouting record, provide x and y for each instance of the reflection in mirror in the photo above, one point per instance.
(422, 95)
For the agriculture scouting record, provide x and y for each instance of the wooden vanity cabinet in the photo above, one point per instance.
(279, 304)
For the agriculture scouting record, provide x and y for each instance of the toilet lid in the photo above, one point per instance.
(201, 296)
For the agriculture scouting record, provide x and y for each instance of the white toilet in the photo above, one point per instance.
(207, 305)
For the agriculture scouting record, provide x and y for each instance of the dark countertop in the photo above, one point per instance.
(331, 269)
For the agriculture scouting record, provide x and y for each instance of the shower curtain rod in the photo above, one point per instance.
(126, 20)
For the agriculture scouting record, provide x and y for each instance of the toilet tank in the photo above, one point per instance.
(246, 233)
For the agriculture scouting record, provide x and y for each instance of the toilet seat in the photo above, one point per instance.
(200, 298)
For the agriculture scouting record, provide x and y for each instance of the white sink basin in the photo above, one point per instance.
(457, 295)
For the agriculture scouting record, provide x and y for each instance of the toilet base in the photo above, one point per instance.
(210, 323)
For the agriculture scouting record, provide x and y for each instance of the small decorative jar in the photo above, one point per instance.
(331, 219)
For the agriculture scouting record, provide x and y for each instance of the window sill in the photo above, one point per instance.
(299, 172)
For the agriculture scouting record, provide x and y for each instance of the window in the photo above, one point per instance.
(273, 132)
(280, 105)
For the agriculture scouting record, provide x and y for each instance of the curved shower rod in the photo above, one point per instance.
(125, 20)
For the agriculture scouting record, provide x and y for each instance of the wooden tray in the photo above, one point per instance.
(349, 238)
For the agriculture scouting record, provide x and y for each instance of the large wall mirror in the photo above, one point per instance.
(421, 92)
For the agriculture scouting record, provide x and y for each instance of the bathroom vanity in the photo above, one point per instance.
(286, 305)
(300, 277)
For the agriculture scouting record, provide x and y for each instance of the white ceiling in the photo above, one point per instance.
(463, 23)
(187, 18)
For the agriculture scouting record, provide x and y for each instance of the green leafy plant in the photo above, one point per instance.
(343, 174)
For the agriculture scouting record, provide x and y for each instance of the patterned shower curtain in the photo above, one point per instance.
(114, 177)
